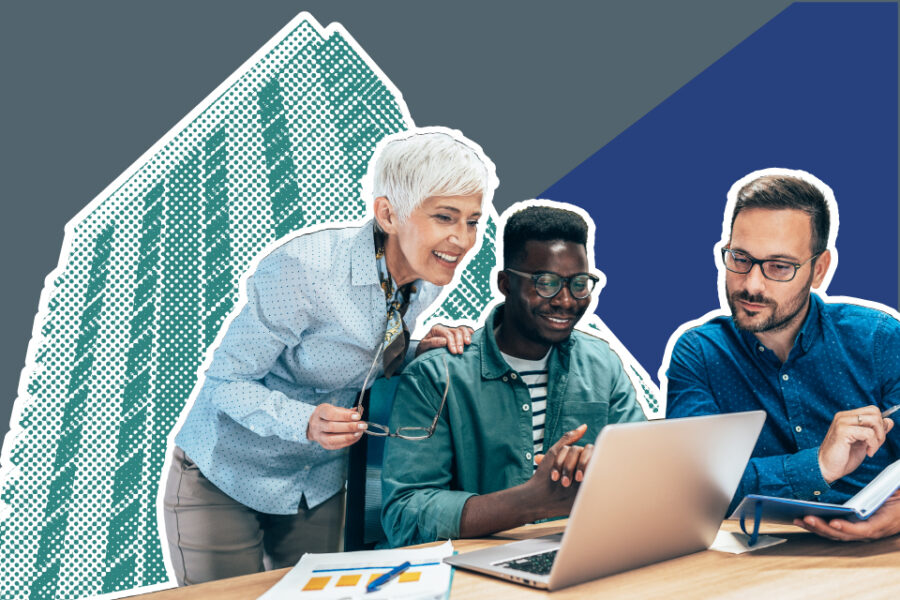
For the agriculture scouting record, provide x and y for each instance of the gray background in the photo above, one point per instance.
(88, 86)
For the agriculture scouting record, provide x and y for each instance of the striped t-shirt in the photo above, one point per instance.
(534, 375)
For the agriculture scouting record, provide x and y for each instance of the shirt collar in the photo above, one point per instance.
(812, 326)
(363, 270)
(492, 364)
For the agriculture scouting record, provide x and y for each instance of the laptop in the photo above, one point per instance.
(652, 491)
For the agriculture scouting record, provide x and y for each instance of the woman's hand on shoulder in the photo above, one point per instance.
(333, 427)
(455, 339)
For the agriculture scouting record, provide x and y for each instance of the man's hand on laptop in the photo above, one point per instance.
(853, 435)
(541, 497)
(570, 462)
(547, 492)
(885, 522)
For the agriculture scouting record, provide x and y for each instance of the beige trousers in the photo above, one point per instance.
(212, 536)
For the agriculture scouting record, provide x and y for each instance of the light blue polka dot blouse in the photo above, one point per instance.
(313, 320)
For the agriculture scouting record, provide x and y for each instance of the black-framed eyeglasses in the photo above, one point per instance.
(776, 270)
(548, 284)
(406, 433)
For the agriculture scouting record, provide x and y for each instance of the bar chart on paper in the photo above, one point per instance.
(346, 575)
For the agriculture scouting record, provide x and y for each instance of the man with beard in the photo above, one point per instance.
(824, 372)
(527, 380)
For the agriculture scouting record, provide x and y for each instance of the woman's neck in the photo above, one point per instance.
(397, 265)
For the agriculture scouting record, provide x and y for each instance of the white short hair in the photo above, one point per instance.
(419, 164)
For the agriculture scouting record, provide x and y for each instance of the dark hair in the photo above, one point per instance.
(779, 192)
(543, 224)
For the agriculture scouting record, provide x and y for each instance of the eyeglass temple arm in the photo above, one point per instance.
(359, 407)
(444, 397)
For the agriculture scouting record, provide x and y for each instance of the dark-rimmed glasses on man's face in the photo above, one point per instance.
(406, 433)
(548, 284)
(776, 270)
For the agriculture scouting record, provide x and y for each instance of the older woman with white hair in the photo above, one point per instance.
(259, 468)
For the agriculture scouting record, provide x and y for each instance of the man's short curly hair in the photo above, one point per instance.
(540, 223)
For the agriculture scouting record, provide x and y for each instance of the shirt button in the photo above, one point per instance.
(505, 379)
(528, 455)
(526, 407)
(817, 493)
(762, 348)
(785, 377)
(307, 468)
(798, 429)
(513, 375)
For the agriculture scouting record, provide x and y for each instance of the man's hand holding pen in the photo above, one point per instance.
(853, 435)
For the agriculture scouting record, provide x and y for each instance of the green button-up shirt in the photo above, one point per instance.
(483, 440)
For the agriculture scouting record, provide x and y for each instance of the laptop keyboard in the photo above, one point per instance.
(539, 564)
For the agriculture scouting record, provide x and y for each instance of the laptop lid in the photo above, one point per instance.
(660, 489)
(652, 491)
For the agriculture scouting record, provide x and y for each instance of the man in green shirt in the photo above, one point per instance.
(526, 381)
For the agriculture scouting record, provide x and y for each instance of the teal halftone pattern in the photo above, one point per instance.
(148, 274)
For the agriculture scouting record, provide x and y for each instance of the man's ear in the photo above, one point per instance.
(503, 283)
(386, 215)
(821, 268)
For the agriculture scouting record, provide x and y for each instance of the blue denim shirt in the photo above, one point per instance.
(314, 318)
(845, 356)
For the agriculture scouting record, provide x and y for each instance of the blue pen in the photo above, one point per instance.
(395, 572)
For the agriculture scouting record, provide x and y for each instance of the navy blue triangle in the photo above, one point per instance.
(814, 89)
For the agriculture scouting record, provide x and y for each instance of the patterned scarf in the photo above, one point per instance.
(396, 335)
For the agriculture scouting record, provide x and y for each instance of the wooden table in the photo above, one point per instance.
(804, 567)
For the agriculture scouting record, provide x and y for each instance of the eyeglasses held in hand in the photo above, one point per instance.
(776, 270)
(406, 433)
(548, 284)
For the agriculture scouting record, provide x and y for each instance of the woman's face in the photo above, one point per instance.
(434, 239)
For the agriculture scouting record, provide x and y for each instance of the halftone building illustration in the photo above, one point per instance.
(149, 272)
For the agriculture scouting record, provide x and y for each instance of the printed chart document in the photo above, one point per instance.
(346, 575)
(858, 508)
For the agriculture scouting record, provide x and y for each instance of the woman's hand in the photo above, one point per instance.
(333, 427)
(454, 338)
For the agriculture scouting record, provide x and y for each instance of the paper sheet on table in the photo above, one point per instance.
(737, 543)
(346, 575)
